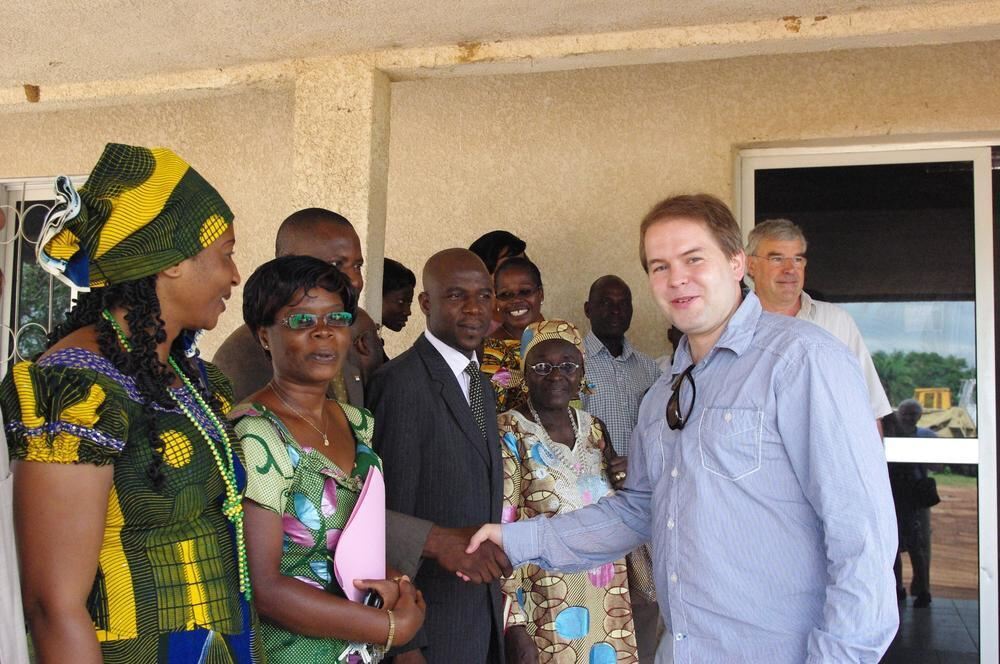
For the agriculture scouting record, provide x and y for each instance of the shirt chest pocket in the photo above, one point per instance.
(730, 441)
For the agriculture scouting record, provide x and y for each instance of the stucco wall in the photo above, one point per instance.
(570, 161)
(240, 142)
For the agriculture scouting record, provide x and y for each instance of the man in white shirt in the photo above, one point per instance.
(776, 252)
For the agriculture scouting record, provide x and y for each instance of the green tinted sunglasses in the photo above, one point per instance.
(309, 321)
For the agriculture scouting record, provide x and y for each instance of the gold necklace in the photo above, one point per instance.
(277, 393)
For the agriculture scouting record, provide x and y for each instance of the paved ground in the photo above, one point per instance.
(948, 631)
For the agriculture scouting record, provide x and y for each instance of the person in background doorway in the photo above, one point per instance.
(913, 518)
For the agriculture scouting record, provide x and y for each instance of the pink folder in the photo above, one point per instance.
(360, 551)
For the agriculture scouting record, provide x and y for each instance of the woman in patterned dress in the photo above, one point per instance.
(555, 461)
(127, 499)
(519, 295)
(307, 458)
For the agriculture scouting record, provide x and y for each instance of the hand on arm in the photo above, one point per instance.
(407, 605)
(59, 551)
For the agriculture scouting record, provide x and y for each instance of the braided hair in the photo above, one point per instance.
(146, 331)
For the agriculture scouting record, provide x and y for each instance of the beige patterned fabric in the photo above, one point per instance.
(585, 617)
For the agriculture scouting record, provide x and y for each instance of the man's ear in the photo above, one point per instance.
(425, 303)
(586, 309)
(738, 262)
(361, 346)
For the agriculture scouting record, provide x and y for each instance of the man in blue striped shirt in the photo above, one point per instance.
(756, 471)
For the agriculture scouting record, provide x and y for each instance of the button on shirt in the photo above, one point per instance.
(770, 513)
(619, 383)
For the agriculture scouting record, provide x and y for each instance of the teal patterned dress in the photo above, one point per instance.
(315, 499)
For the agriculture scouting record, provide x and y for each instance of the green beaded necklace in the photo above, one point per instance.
(232, 506)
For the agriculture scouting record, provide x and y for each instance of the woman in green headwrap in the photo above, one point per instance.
(127, 494)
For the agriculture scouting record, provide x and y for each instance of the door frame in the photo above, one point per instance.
(981, 450)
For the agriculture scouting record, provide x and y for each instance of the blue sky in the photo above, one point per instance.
(946, 328)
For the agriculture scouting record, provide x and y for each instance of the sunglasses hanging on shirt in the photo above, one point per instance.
(676, 420)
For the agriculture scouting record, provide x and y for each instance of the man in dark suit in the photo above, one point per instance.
(435, 428)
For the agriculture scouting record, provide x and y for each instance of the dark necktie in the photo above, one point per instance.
(476, 396)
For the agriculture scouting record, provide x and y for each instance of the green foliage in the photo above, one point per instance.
(902, 372)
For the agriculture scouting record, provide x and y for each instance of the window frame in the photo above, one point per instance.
(12, 192)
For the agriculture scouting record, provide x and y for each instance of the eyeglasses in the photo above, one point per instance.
(675, 420)
(524, 293)
(798, 262)
(309, 321)
(544, 368)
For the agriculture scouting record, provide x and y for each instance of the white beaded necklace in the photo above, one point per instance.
(560, 450)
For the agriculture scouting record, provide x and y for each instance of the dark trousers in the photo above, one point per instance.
(915, 539)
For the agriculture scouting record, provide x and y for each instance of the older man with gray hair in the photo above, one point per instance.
(776, 253)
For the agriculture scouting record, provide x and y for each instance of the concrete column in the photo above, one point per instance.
(341, 135)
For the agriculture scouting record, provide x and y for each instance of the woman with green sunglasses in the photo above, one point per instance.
(307, 458)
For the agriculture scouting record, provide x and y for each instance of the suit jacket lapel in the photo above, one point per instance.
(453, 397)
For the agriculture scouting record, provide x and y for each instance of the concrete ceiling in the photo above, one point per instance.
(51, 42)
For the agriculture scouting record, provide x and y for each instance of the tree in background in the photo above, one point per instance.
(901, 372)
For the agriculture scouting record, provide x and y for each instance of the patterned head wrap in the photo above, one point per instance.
(141, 211)
(544, 330)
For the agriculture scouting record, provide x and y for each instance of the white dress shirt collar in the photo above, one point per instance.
(456, 360)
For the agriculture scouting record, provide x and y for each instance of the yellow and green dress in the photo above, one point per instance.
(167, 584)
(501, 361)
(314, 499)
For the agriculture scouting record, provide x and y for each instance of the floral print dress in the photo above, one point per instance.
(582, 617)
(315, 499)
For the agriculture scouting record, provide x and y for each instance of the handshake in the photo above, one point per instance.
(474, 554)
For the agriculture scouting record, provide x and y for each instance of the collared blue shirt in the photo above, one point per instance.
(618, 384)
(770, 513)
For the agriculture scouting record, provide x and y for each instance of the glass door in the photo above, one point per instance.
(901, 237)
